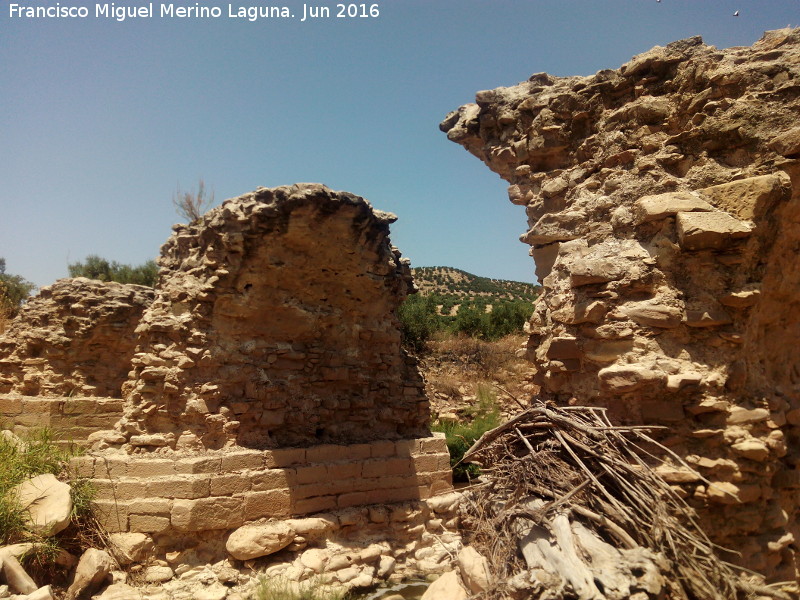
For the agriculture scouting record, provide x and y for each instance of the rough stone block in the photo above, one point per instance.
(661, 206)
(230, 484)
(131, 489)
(273, 503)
(751, 197)
(198, 464)
(312, 474)
(352, 499)
(150, 506)
(272, 479)
(388, 466)
(628, 378)
(207, 514)
(147, 523)
(710, 231)
(150, 467)
(313, 505)
(325, 453)
(564, 348)
(111, 515)
(348, 470)
(10, 406)
(239, 461)
(382, 448)
(284, 457)
(188, 487)
(662, 411)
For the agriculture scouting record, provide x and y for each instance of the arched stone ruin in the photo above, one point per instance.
(274, 324)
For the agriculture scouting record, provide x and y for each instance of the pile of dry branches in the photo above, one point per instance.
(571, 508)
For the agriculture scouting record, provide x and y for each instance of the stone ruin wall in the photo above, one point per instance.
(274, 324)
(263, 379)
(75, 338)
(663, 204)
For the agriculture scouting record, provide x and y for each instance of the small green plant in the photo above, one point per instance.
(484, 415)
(278, 588)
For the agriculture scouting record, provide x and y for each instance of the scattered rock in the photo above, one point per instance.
(93, 569)
(48, 502)
(474, 570)
(447, 587)
(252, 541)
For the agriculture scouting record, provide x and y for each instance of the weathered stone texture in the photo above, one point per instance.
(75, 338)
(274, 324)
(663, 204)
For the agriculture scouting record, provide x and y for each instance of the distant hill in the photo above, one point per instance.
(455, 286)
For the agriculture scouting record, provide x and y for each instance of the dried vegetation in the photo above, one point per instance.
(572, 508)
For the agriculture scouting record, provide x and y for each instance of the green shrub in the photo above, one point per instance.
(418, 320)
(96, 267)
(484, 416)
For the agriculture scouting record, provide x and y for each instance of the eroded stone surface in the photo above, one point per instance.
(274, 324)
(75, 338)
(666, 196)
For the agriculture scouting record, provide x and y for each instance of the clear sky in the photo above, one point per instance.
(101, 120)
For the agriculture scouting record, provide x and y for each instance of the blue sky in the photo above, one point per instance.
(102, 120)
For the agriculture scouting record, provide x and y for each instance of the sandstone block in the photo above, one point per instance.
(753, 449)
(273, 503)
(198, 464)
(312, 474)
(661, 206)
(710, 231)
(787, 143)
(148, 523)
(382, 448)
(271, 479)
(111, 515)
(723, 492)
(564, 348)
(207, 514)
(653, 315)
(252, 541)
(600, 270)
(313, 505)
(347, 470)
(433, 445)
(284, 457)
(241, 460)
(150, 467)
(620, 379)
(752, 197)
(742, 299)
(228, 485)
(185, 486)
(742, 416)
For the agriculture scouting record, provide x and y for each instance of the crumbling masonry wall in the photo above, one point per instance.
(663, 204)
(75, 338)
(274, 324)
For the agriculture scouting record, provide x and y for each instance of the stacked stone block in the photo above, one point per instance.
(152, 493)
(72, 420)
